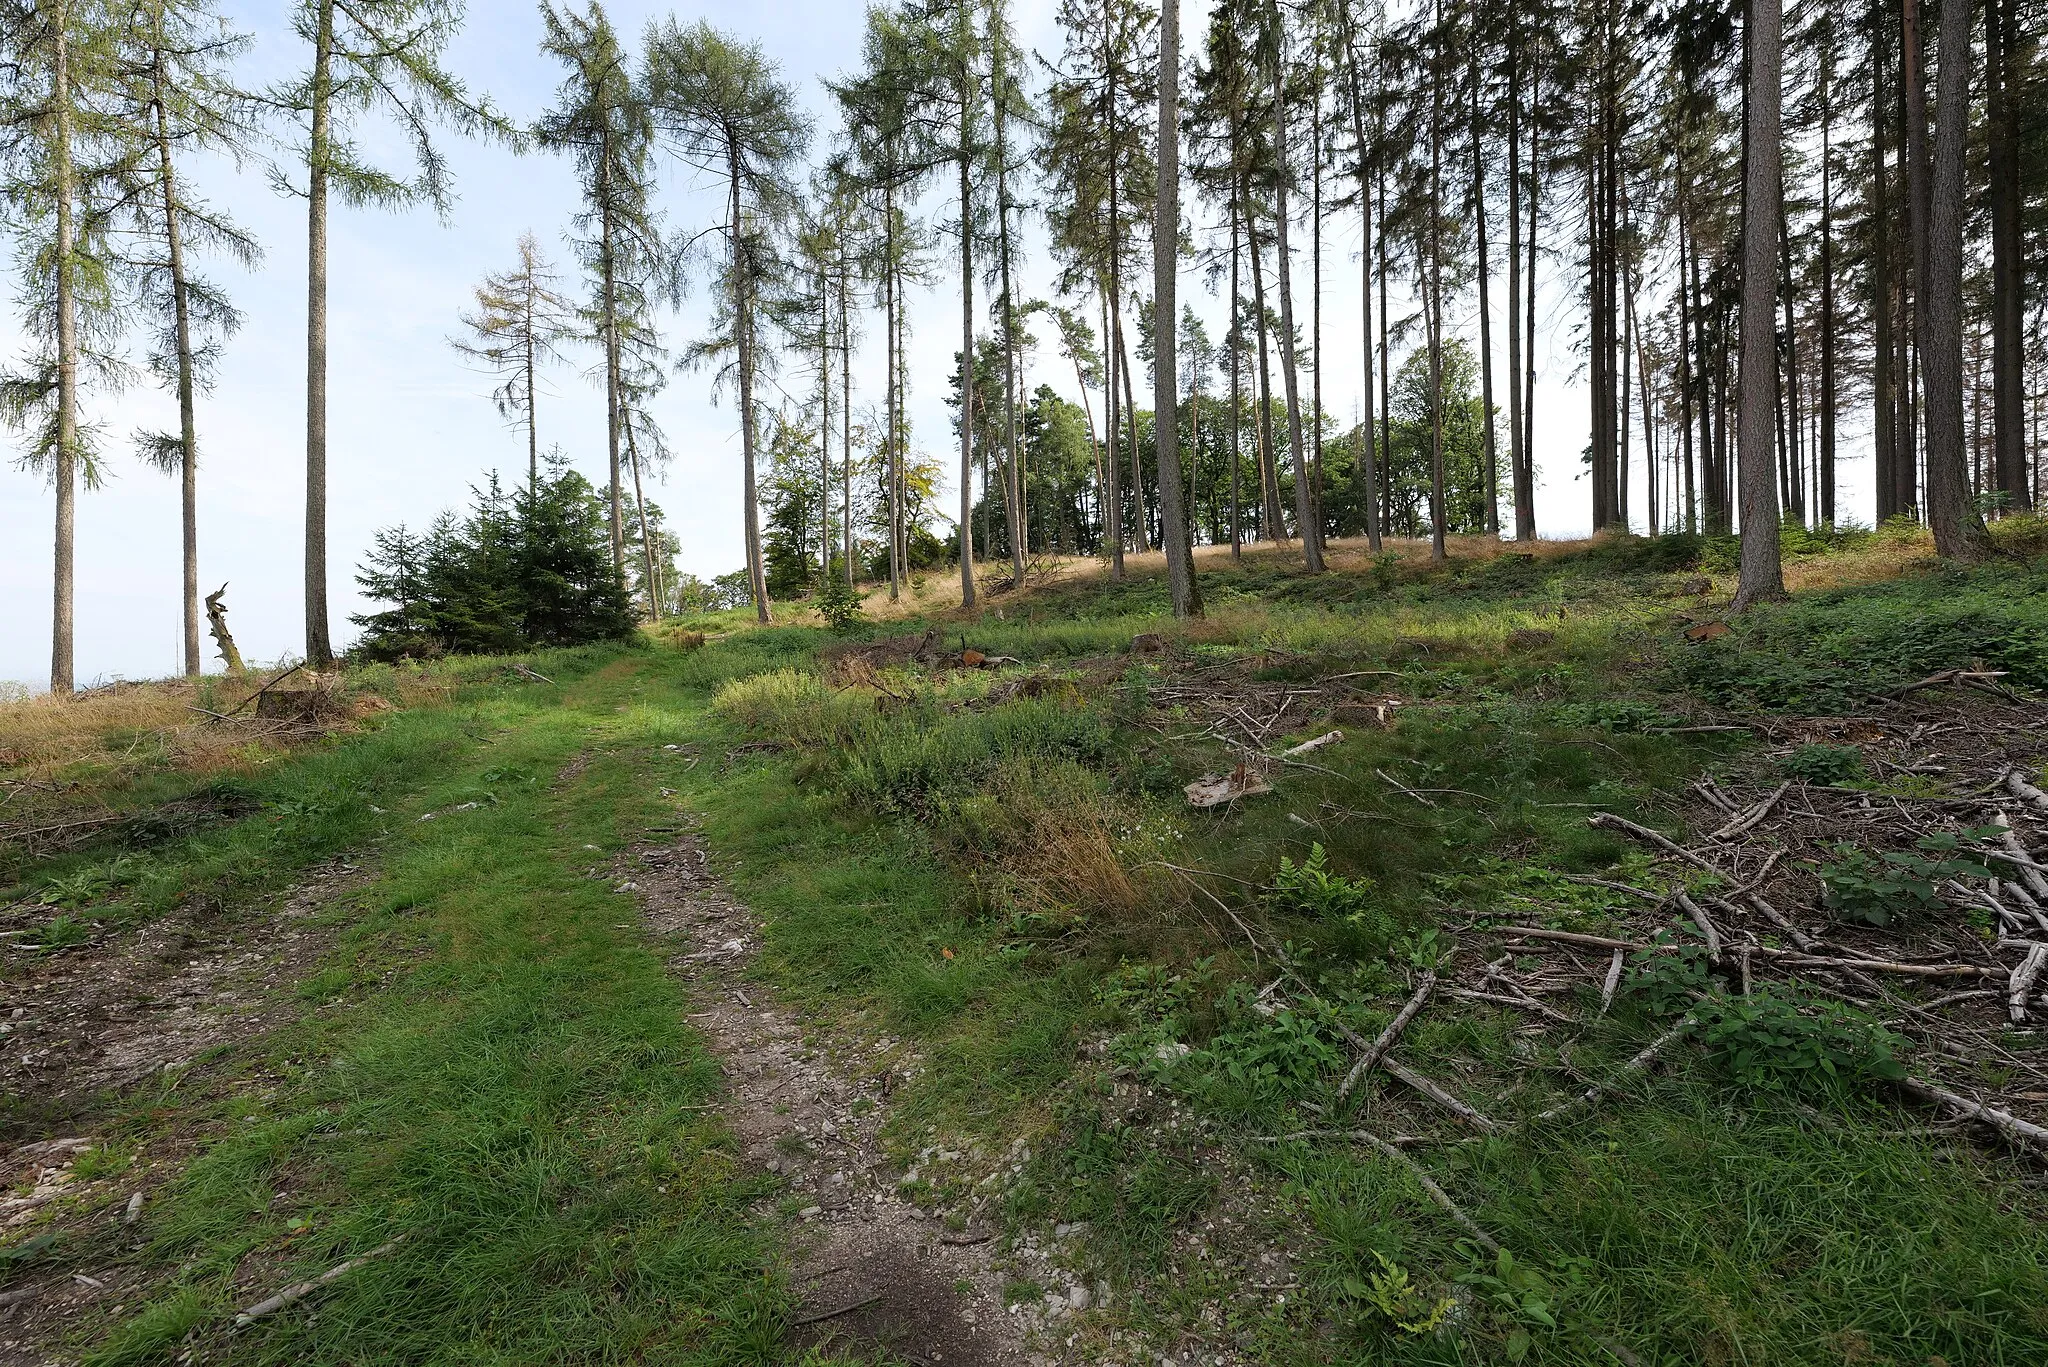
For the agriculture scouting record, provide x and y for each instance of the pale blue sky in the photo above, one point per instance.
(411, 428)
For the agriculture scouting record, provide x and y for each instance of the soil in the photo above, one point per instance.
(80, 1026)
(873, 1270)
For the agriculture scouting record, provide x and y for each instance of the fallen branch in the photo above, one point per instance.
(1524, 1003)
(2022, 983)
(1945, 676)
(272, 1304)
(1636, 1064)
(1792, 959)
(1572, 937)
(1404, 788)
(824, 1315)
(1428, 1184)
(2016, 853)
(1435, 1092)
(1378, 1048)
(1699, 918)
(2021, 1132)
(1609, 821)
(1613, 981)
(1746, 820)
(2025, 791)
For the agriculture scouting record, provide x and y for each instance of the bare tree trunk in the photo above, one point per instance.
(1491, 477)
(653, 585)
(743, 329)
(1367, 475)
(1269, 479)
(63, 624)
(1825, 455)
(1884, 401)
(2008, 282)
(1307, 520)
(1434, 306)
(615, 400)
(1236, 391)
(1762, 578)
(319, 647)
(1958, 526)
(1527, 514)
(889, 423)
(1012, 358)
(1181, 585)
(845, 422)
(1109, 479)
(188, 426)
(1141, 531)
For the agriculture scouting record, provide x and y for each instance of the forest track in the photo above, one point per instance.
(872, 1270)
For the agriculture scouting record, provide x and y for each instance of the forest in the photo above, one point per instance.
(1858, 198)
(1165, 860)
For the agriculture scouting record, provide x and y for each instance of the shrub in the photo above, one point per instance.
(1870, 890)
(1826, 764)
(1778, 1039)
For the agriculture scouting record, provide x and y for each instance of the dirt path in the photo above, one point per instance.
(872, 1269)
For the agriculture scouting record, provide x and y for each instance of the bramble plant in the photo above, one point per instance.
(1824, 764)
(1778, 1039)
(1869, 891)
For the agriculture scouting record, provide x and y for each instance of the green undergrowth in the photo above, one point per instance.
(1754, 1203)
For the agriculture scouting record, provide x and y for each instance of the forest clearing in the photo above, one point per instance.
(1563, 982)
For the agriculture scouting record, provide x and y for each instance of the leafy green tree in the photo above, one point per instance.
(367, 56)
(725, 110)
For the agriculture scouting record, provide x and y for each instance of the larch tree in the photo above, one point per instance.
(518, 326)
(176, 94)
(724, 111)
(366, 57)
(600, 119)
(60, 151)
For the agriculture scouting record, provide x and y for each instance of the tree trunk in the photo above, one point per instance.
(889, 423)
(1307, 521)
(188, 426)
(1762, 578)
(1491, 476)
(1524, 520)
(319, 647)
(1884, 401)
(1269, 479)
(1525, 517)
(1141, 523)
(2008, 339)
(845, 422)
(653, 585)
(1434, 305)
(1366, 477)
(1111, 481)
(743, 330)
(1825, 455)
(1012, 359)
(1236, 391)
(65, 458)
(1958, 526)
(1181, 585)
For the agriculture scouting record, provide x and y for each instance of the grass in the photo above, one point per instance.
(520, 1100)
(1009, 883)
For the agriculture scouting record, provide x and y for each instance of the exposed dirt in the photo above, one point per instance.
(874, 1270)
(80, 1025)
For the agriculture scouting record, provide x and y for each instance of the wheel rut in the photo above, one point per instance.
(872, 1270)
